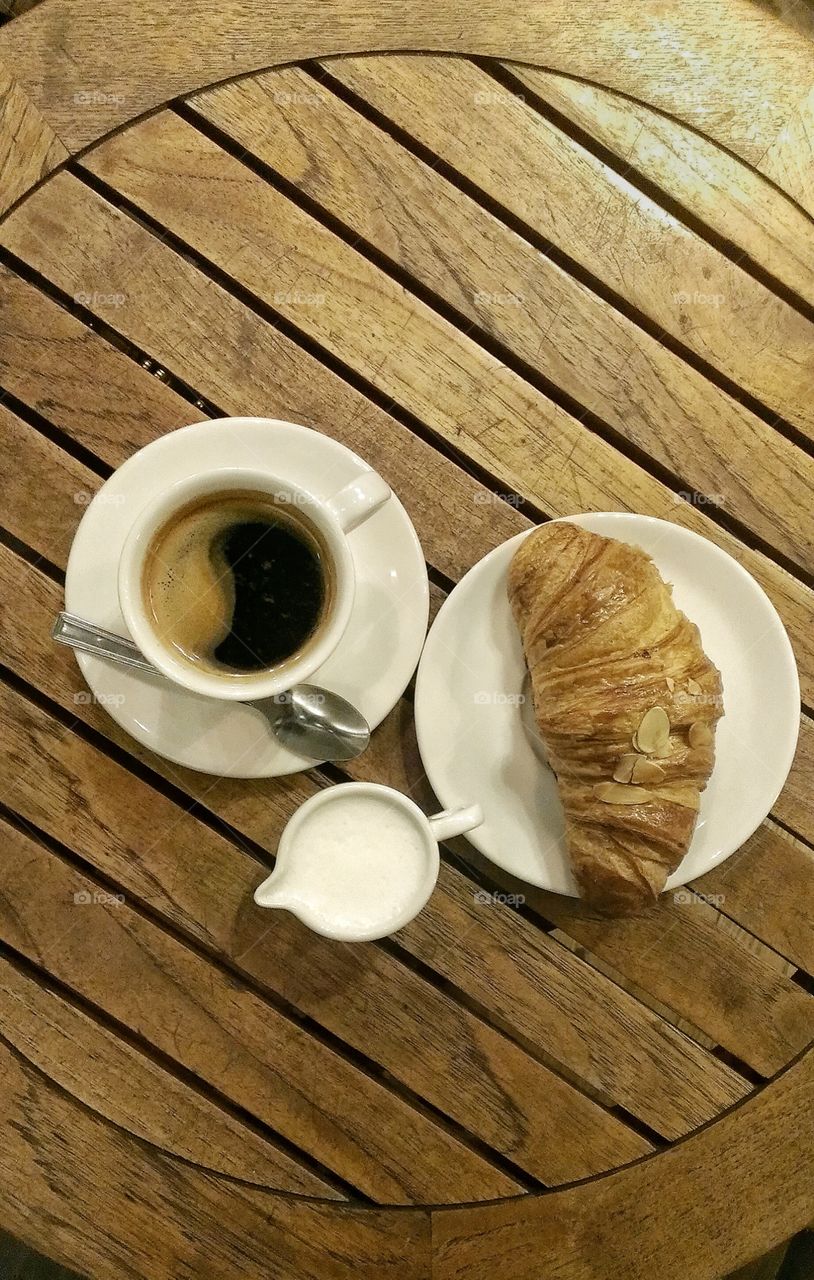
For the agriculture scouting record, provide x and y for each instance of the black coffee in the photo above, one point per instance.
(238, 582)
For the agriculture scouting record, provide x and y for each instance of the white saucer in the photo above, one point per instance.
(374, 660)
(468, 718)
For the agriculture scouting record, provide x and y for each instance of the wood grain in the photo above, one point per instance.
(632, 1220)
(29, 148)
(231, 355)
(789, 161)
(97, 1067)
(626, 240)
(218, 1029)
(395, 744)
(766, 1024)
(603, 1038)
(425, 363)
(741, 998)
(159, 1219)
(740, 89)
(728, 197)
(203, 885)
(794, 804)
(48, 526)
(763, 890)
(492, 276)
(651, 1219)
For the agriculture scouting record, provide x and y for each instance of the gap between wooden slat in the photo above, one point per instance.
(391, 947)
(145, 1047)
(338, 775)
(223, 964)
(264, 310)
(110, 335)
(583, 275)
(332, 774)
(209, 409)
(502, 73)
(410, 423)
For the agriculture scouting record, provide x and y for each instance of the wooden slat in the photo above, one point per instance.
(766, 888)
(48, 527)
(740, 88)
(681, 954)
(657, 1073)
(705, 1206)
(204, 885)
(312, 277)
(789, 160)
(81, 383)
(493, 277)
(100, 1069)
(29, 148)
(392, 745)
(600, 1034)
(230, 355)
(728, 196)
(632, 245)
(96, 1199)
(794, 805)
(209, 1023)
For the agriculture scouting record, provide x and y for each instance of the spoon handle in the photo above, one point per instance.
(79, 634)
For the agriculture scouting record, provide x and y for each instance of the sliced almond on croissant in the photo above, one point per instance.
(634, 768)
(700, 734)
(653, 731)
(618, 793)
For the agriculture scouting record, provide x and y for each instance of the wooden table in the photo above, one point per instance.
(540, 292)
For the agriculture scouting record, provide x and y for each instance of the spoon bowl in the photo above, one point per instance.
(316, 722)
(307, 719)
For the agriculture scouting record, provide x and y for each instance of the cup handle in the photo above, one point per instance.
(358, 500)
(454, 822)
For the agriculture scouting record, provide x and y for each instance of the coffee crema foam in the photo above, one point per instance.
(237, 583)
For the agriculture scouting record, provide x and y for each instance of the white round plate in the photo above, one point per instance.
(371, 666)
(468, 715)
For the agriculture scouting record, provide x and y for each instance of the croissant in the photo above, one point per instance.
(626, 702)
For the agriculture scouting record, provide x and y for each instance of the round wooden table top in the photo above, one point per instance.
(559, 260)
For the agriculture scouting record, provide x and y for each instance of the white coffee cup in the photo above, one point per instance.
(333, 519)
(358, 861)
